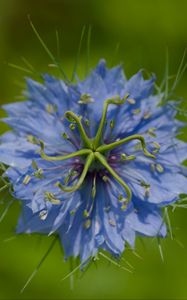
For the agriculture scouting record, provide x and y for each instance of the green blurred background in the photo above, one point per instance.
(137, 33)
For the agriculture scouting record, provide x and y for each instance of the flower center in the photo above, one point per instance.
(94, 150)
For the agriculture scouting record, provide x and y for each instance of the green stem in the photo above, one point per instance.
(116, 101)
(113, 145)
(73, 117)
(64, 157)
(88, 162)
(103, 161)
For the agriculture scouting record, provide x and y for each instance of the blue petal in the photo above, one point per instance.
(112, 237)
(165, 187)
(101, 68)
(63, 96)
(138, 88)
(72, 202)
(17, 109)
(30, 223)
(128, 234)
(113, 78)
(18, 153)
(147, 220)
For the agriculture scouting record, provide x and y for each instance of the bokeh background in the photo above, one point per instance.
(137, 33)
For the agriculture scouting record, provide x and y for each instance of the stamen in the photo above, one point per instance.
(123, 201)
(72, 126)
(51, 198)
(111, 146)
(152, 166)
(86, 99)
(105, 178)
(65, 136)
(32, 139)
(87, 122)
(124, 157)
(136, 111)
(146, 187)
(87, 224)
(34, 165)
(111, 124)
(86, 214)
(147, 115)
(159, 168)
(51, 108)
(151, 132)
(121, 198)
(124, 206)
(39, 174)
(131, 101)
(144, 184)
(27, 179)
(157, 148)
(43, 214)
(157, 145)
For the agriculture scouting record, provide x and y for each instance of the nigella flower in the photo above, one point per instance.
(94, 162)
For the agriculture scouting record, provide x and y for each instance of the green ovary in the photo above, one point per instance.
(94, 151)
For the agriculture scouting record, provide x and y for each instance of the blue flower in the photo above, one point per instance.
(94, 162)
